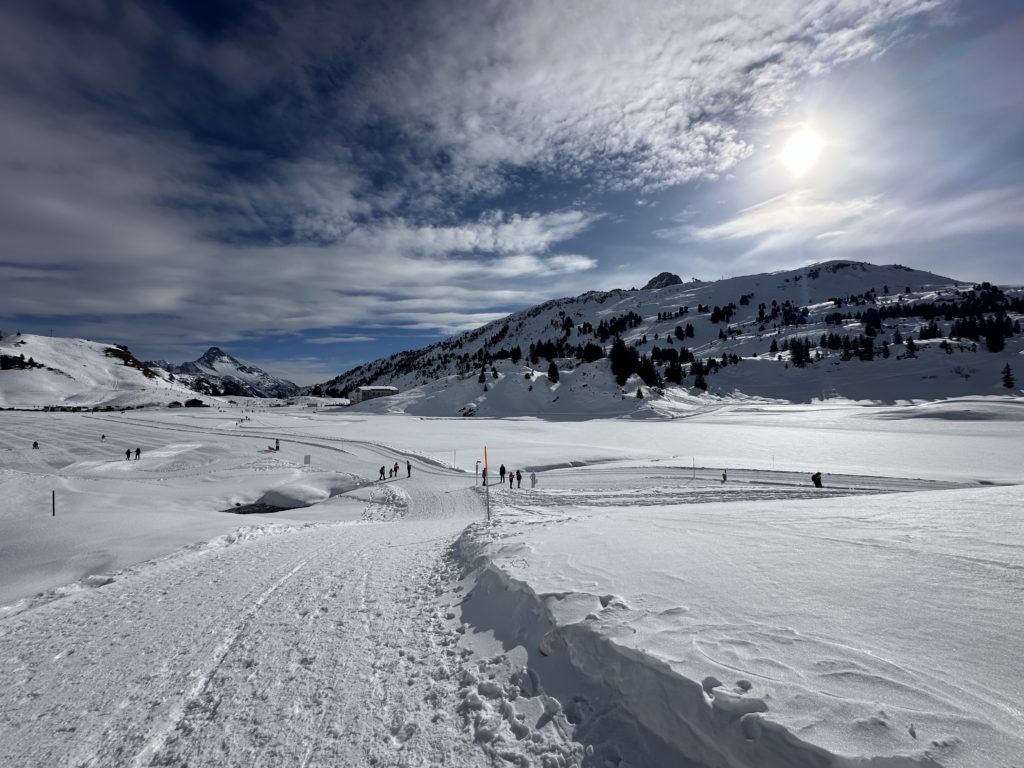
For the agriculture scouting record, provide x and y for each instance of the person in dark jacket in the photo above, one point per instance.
(408, 468)
(519, 479)
(816, 479)
(501, 473)
(127, 454)
(382, 473)
(138, 454)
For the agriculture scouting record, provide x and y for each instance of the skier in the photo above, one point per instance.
(519, 479)
(127, 454)
(408, 468)
(382, 472)
(816, 479)
(138, 453)
(501, 473)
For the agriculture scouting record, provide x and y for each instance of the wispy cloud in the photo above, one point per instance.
(334, 166)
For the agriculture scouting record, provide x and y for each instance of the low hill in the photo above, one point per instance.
(42, 371)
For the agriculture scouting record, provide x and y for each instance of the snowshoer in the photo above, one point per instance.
(816, 479)
(382, 472)
(519, 479)
(501, 473)
(408, 468)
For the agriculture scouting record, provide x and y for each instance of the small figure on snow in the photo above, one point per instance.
(519, 479)
(533, 479)
(382, 472)
(511, 479)
(277, 444)
(127, 454)
(724, 476)
(138, 454)
(816, 479)
(408, 468)
(501, 473)
(396, 469)
(484, 473)
(103, 437)
(35, 444)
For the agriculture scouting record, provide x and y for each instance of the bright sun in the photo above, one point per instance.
(801, 151)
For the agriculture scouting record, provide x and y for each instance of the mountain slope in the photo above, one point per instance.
(831, 330)
(218, 373)
(42, 371)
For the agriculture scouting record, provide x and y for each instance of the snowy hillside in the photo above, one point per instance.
(41, 371)
(838, 330)
(218, 373)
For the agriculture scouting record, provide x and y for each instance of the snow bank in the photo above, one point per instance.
(669, 635)
(311, 489)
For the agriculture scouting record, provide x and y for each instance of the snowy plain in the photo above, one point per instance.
(631, 609)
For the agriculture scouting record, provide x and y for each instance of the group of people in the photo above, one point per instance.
(394, 470)
(128, 454)
(515, 477)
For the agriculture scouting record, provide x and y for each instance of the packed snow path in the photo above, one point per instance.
(322, 645)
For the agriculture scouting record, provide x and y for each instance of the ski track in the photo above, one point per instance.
(330, 645)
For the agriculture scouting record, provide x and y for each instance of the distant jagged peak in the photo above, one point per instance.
(663, 280)
(213, 354)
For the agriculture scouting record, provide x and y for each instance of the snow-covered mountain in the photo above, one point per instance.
(838, 329)
(218, 373)
(42, 371)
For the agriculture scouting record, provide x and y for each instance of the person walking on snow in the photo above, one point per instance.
(533, 479)
(408, 468)
(519, 479)
(396, 469)
(501, 473)
(511, 479)
(724, 476)
(127, 454)
(484, 473)
(277, 444)
(138, 453)
(382, 472)
(816, 479)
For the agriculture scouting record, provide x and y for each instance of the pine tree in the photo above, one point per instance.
(1008, 380)
(553, 372)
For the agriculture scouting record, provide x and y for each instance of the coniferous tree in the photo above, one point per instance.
(1008, 380)
(553, 372)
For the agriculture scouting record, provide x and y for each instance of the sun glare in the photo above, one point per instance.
(801, 152)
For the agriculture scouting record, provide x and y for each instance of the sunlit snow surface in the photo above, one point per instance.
(666, 617)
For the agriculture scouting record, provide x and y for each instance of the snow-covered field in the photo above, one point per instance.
(631, 609)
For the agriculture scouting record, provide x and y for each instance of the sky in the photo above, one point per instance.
(312, 185)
